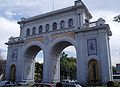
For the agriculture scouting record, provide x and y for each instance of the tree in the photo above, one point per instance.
(38, 71)
(2, 67)
(64, 68)
(67, 67)
(114, 70)
(72, 68)
(117, 18)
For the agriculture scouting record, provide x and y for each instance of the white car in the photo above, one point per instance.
(6, 83)
(44, 85)
(72, 85)
(23, 83)
(3, 83)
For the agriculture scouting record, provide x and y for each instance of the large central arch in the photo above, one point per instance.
(56, 48)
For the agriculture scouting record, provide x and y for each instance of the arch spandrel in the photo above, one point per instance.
(38, 38)
(34, 43)
(64, 38)
(64, 34)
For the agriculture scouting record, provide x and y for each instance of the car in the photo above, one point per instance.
(6, 83)
(71, 85)
(3, 83)
(75, 85)
(22, 83)
(44, 85)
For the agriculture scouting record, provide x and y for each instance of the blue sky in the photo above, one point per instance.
(12, 10)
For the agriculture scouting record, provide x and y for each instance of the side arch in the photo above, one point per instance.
(29, 53)
(36, 43)
(13, 72)
(93, 72)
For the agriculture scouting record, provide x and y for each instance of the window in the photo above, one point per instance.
(27, 32)
(40, 29)
(70, 23)
(47, 27)
(62, 24)
(34, 30)
(54, 26)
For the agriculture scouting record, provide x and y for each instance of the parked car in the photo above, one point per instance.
(2, 83)
(43, 85)
(6, 83)
(74, 85)
(22, 83)
(71, 85)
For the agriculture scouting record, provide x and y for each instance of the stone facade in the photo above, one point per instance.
(53, 32)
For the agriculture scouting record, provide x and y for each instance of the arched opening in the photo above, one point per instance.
(47, 27)
(57, 50)
(93, 71)
(34, 30)
(62, 24)
(70, 23)
(40, 29)
(38, 73)
(28, 32)
(68, 64)
(13, 73)
(33, 64)
(54, 26)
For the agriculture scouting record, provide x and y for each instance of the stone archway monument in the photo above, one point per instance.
(52, 32)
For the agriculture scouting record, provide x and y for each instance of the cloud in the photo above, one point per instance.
(28, 8)
(7, 29)
(38, 59)
(71, 51)
(103, 4)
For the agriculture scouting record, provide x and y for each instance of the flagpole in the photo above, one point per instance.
(53, 5)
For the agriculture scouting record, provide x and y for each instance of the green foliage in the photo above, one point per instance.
(112, 84)
(117, 18)
(116, 84)
(114, 70)
(67, 67)
(2, 67)
(38, 71)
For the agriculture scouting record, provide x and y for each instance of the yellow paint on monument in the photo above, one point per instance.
(40, 39)
(67, 34)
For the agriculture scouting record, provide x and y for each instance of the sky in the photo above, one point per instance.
(12, 11)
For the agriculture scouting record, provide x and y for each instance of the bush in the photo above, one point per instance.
(112, 84)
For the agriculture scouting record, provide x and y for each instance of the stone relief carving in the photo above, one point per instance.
(92, 47)
(14, 54)
(46, 40)
(28, 70)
